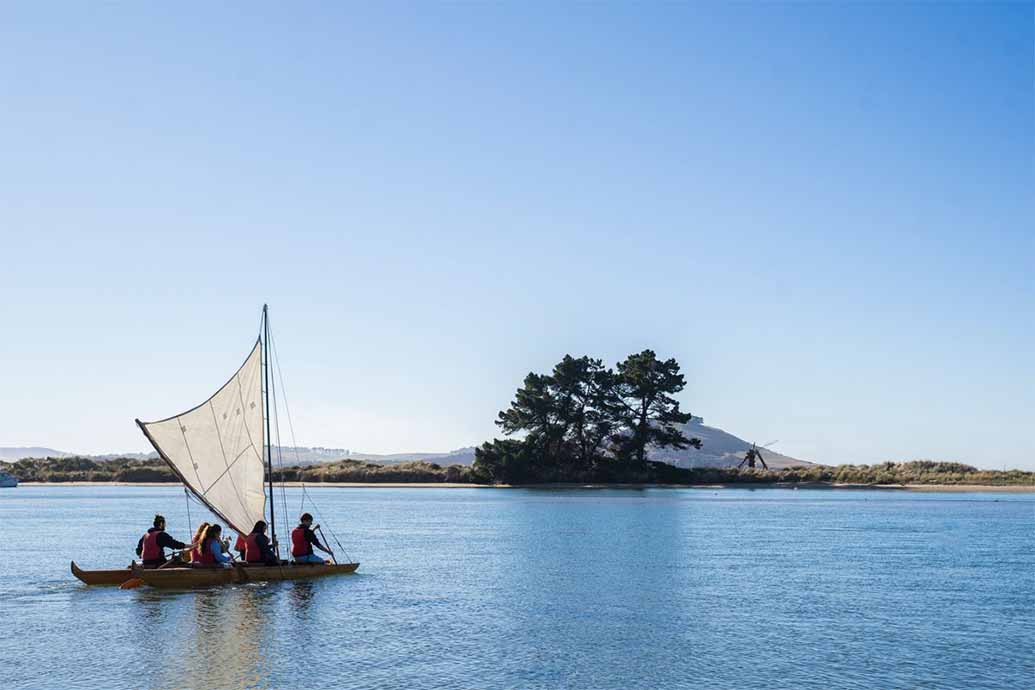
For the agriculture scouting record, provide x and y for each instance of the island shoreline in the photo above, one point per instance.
(821, 486)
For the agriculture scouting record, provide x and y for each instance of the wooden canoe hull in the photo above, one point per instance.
(185, 578)
(102, 577)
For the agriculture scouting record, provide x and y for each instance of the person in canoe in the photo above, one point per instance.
(195, 543)
(303, 540)
(212, 550)
(240, 545)
(151, 547)
(257, 547)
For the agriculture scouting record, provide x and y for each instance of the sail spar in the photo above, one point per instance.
(216, 448)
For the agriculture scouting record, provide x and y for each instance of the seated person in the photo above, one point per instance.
(257, 547)
(195, 544)
(303, 539)
(151, 547)
(240, 545)
(212, 549)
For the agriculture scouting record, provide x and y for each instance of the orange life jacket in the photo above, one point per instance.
(300, 546)
(240, 544)
(206, 557)
(252, 552)
(151, 550)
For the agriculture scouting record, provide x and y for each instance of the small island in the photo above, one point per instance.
(583, 424)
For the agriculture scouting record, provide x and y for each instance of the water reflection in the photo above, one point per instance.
(585, 590)
(301, 596)
(218, 642)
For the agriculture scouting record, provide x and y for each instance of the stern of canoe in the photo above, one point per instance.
(114, 576)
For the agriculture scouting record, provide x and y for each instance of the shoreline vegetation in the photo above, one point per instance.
(921, 475)
(581, 425)
(813, 486)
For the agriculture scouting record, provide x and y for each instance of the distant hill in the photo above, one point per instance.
(312, 456)
(720, 449)
(12, 453)
(290, 455)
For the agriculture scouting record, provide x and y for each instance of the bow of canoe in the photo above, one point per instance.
(114, 576)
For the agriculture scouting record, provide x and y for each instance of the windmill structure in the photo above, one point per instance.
(753, 455)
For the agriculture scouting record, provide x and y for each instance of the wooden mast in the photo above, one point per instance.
(269, 439)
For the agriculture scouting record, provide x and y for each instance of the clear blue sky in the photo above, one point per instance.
(824, 212)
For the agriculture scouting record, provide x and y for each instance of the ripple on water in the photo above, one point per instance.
(532, 589)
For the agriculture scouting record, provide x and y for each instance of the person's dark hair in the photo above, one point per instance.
(260, 527)
(159, 520)
(306, 517)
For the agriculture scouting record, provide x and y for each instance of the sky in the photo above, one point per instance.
(824, 212)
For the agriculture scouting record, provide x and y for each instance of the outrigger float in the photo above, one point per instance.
(217, 451)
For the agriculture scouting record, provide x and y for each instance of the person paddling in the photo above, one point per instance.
(151, 547)
(211, 550)
(240, 545)
(257, 547)
(303, 539)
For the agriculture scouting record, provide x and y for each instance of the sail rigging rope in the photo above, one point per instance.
(190, 525)
(294, 445)
(275, 363)
(280, 460)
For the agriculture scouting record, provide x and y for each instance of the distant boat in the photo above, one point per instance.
(217, 450)
(7, 481)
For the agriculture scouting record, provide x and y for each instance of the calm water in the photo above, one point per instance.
(544, 589)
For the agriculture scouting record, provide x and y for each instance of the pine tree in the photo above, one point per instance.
(646, 386)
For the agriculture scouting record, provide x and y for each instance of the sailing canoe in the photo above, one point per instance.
(217, 451)
(114, 576)
(185, 578)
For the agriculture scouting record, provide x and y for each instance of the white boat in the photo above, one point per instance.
(7, 481)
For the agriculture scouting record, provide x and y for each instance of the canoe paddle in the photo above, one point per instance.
(130, 584)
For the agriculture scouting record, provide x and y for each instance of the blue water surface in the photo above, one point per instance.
(496, 588)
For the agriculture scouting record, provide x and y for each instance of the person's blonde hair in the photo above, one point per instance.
(199, 534)
(211, 532)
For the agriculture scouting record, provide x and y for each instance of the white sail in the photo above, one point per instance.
(216, 448)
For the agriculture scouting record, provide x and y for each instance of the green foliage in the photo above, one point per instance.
(364, 472)
(583, 421)
(79, 469)
(506, 461)
(915, 472)
(511, 461)
(645, 388)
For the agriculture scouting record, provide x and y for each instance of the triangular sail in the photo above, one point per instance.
(216, 448)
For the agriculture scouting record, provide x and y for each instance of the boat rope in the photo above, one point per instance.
(294, 447)
(319, 516)
(190, 524)
(278, 373)
(280, 463)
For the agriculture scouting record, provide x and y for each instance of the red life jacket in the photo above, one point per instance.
(195, 555)
(252, 552)
(206, 557)
(300, 546)
(240, 544)
(151, 550)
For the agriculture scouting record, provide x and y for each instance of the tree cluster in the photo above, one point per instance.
(586, 422)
